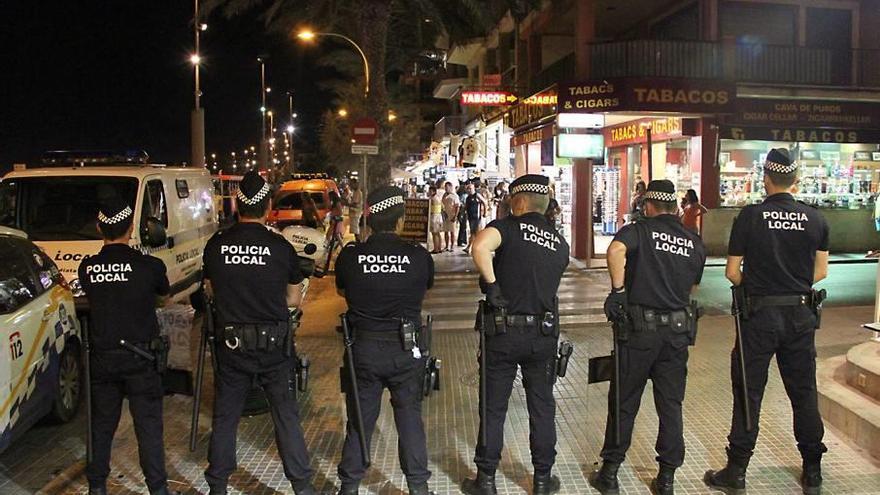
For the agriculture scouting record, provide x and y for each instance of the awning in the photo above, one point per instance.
(400, 174)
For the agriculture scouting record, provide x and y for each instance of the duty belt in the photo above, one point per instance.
(379, 336)
(757, 302)
(524, 320)
(256, 336)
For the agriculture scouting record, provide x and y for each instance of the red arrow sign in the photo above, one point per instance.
(365, 131)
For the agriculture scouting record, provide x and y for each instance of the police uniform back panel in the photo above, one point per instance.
(250, 268)
(121, 284)
(529, 241)
(400, 271)
(676, 252)
(779, 239)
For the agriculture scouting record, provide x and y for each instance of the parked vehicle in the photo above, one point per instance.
(56, 205)
(40, 367)
(287, 205)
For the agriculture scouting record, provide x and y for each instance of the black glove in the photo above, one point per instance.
(494, 296)
(615, 305)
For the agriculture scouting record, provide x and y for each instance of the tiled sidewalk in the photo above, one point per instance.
(451, 415)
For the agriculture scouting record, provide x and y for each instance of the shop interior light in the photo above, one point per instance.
(581, 120)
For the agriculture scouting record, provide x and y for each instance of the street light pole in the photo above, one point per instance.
(290, 129)
(264, 151)
(197, 119)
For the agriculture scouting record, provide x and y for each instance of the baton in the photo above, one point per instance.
(615, 382)
(207, 328)
(353, 390)
(87, 371)
(137, 350)
(736, 310)
(484, 407)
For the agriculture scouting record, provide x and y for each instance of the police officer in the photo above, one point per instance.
(777, 251)
(654, 265)
(122, 286)
(520, 283)
(384, 281)
(254, 276)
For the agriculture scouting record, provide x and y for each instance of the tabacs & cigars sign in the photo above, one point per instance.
(648, 95)
(636, 131)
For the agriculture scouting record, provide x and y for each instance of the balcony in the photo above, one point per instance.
(563, 69)
(739, 62)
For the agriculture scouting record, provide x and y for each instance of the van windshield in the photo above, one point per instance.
(292, 200)
(60, 208)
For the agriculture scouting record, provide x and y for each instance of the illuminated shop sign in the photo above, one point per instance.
(637, 131)
(648, 95)
(490, 98)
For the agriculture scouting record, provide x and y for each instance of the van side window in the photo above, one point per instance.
(8, 199)
(182, 188)
(154, 204)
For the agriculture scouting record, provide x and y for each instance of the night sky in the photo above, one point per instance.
(100, 74)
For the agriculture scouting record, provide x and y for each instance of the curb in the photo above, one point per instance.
(63, 479)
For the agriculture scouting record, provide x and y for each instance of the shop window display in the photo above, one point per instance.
(832, 175)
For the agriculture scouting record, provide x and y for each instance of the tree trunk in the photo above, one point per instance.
(375, 16)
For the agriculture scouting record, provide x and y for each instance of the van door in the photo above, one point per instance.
(154, 204)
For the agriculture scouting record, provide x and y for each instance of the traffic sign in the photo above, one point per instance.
(364, 131)
(364, 149)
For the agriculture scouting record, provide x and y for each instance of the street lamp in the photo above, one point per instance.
(307, 36)
(343, 113)
(197, 119)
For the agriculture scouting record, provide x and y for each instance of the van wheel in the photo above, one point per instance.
(68, 385)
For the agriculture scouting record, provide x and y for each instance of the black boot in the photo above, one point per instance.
(545, 484)
(811, 478)
(348, 489)
(483, 485)
(304, 487)
(664, 483)
(97, 490)
(605, 479)
(217, 489)
(730, 480)
(420, 489)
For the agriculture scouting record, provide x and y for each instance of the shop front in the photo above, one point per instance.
(651, 129)
(837, 145)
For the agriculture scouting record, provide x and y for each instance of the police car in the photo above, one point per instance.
(56, 204)
(40, 371)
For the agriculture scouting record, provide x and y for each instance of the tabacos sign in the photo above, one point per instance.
(487, 98)
(647, 95)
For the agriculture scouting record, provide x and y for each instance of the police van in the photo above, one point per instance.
(56, 204)
(40, 371)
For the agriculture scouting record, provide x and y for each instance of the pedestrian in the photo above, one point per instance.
(692, 211)
(552, 214)
(122, 286)
(384, 281)
(310, 216)
(778, 249)
(355, 209)
(462, 217)
(502, 201)
(475, 209)
(254, 276)
(520, 284)
(335, 220)
(637, 204)
(435, 202)
(655, 265)
(451, 210)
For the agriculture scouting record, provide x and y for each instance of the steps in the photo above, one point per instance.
(849, 394)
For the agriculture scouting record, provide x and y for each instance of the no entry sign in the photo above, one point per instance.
(365, 131)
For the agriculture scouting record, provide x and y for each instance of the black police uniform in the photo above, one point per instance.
(122, 285)
(528, 267)
(385, 280)
(778, 240)
(249, 269)
(664, 260)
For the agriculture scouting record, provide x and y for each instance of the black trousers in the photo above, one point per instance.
(116, 375)
(462, 231)
(535, 354)
(660, 356)
(380, 365)
(274, 372)
(789, 333)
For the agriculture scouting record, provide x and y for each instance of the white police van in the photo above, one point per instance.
(40, 370)
(56, 204)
